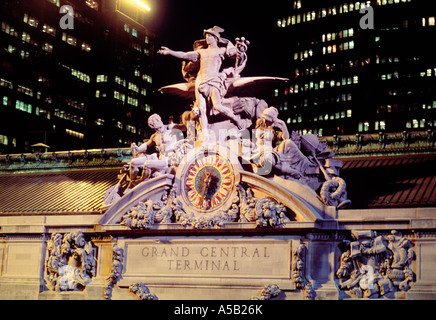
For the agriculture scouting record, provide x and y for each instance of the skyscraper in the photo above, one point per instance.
(81, 84)
(359, 66)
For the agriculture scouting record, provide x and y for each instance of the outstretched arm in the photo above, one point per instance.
(191, 55)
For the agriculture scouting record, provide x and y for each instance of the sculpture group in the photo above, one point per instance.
(225, 113)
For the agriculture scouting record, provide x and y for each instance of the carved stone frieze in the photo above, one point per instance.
(374, 265)
(245, 207)
(149, 213)
(265, 211)
(70, 264)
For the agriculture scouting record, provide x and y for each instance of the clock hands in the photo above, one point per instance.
(204, 189)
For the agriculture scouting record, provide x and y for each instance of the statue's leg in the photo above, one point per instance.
(156, 165)
(202, 106)
(217, 105)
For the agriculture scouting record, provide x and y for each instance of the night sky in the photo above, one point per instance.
(177, 24)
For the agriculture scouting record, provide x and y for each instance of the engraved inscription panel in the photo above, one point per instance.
(221, 258)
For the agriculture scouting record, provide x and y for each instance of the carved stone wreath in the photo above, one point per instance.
(70, 264)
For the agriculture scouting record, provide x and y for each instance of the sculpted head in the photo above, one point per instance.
(155, 121)
(270, 114)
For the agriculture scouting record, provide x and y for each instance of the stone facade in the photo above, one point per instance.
(359, 254)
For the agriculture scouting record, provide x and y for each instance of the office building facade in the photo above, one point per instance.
(77, 79)
(359, 66)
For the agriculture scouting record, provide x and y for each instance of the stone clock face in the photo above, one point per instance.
(208, 182)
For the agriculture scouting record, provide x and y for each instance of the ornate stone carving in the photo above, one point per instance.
(212, 220)
(268, 292)
(221, 109)
(334, 192)
(266, 212)
(115, 276)
(70, 264)
(298, 272)
(372, 265)
(141, 291)
(148, 213)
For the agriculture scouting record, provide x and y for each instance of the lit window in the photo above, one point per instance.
(69, 39)
(380, 125)
(134, 33)
(55, 2)
(47, 47)
(6, 83)
(75, 134)
(30, 20)
(431, 21)
(9, 30)
(345, 8)
(131, 128)
(366, 126)
(26, 107)
(3, 140)
(102, 78)
(25, 37)
(49, 30)
(86, 47)
(92, 4)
